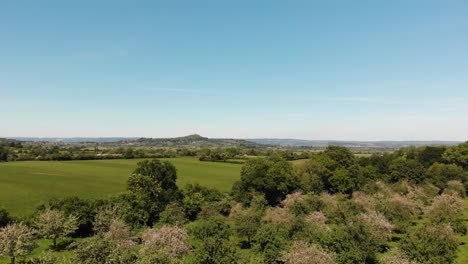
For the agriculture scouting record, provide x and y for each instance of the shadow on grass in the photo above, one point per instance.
(62, 245)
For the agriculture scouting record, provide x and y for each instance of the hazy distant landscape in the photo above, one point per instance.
(199, 140)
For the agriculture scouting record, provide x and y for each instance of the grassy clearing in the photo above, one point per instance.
(25, 185)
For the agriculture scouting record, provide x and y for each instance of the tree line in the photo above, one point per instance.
(11, 150)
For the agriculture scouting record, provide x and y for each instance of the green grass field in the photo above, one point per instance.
(25, 185)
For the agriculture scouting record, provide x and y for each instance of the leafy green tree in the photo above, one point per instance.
(406, 169)
(313, 175)
(382, 163)
(132, 208)
(400, 210)
(196, 196)
(83, 209)
(447, 209)
(431, 154)
(246, 222)
(457, 155)
(215, 247)
(104, 251)
(342, 156)
(439, 174)
(213, 227)
(174, 214)
(341, 181)
(215, 250)
(352, 244)
(16, 240)
(271, 176)
(103, 219)
(3, 154)
(270, 241)
(154, 183)
(432, 244)
(54, 224)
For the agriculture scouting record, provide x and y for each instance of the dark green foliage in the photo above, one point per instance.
(406, 169)
(215, 247)
(382, 163)
(369, 173)
(341, 156)
(246, 223)
(457, 155)
(4, 217)
(215, 250)
(429, 155)
(313, 175)
(439, 174)
(272, 177)
(270, 241)
(3, 154)
(433, 244)
(132, 208)
(341, 181)
(352, 244)
(196, 196)
(162, 172)
(213, 227)
(174, 214)
(154, 182)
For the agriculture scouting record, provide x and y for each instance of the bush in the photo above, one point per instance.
(447, 209)
(270, 241)
(397, 257)
(272, 177)
(170, 241)
(302, 253)
(174, 214)
(214, 250)
(432, 244)
(97, 250)
(455, 187)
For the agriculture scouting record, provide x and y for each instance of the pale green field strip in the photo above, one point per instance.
(25, 185)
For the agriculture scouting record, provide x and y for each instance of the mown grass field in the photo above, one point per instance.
(25, 185)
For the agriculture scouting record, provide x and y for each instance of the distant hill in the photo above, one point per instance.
(191, 141)
(349, 144)
(186, 141)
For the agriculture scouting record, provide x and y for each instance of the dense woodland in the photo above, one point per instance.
(332, 207)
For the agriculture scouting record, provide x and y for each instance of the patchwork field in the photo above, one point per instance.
(25, 185)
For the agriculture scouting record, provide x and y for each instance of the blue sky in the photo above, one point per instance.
(351, 70)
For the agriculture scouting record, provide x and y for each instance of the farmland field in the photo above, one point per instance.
(25, 185)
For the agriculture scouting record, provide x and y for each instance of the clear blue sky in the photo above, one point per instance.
(352, 70)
